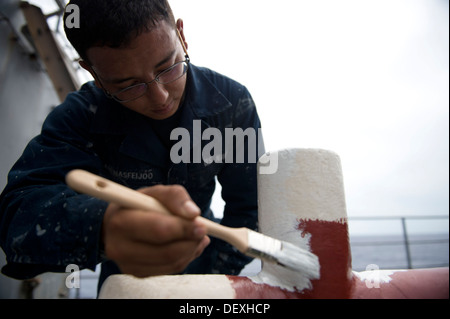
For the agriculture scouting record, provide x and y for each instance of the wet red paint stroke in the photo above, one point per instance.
(330, 242)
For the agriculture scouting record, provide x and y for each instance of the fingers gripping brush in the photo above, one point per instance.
(248, 242)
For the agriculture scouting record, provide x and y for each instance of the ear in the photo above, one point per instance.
(88, 68)
(180, 27)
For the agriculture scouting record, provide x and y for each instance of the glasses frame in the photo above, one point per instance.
(186, 61)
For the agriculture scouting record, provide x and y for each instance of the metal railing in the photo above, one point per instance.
(405, 235)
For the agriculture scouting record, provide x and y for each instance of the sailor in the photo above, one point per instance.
(120, 127)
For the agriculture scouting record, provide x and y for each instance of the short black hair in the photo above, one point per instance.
(114, 23)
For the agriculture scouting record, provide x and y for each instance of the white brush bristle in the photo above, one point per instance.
(284, 254)
(298, 259)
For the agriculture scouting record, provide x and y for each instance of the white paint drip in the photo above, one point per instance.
(373, 278)
(40, 231)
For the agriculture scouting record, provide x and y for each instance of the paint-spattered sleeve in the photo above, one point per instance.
(44, 225)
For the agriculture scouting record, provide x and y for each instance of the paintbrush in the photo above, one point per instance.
(248, 242)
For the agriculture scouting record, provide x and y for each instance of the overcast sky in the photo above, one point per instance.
(368, 79)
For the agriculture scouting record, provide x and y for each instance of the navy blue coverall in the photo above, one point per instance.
(45, 226)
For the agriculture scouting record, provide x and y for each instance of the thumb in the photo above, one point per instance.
(175, 198)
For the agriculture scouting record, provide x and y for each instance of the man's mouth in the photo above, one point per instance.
(165, 109)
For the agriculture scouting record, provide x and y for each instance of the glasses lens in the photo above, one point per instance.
(132, 92)
(173, 73)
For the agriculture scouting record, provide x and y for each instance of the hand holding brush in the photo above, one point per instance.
(248, 242)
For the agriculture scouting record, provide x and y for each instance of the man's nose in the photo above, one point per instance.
(157, 93)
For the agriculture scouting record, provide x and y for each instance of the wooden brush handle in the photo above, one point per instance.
(111, 192)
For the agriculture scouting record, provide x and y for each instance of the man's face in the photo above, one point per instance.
(140, 62)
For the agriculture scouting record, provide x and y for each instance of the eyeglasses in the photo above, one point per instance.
(169, 75)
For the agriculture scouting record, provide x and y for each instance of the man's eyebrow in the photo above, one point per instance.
(164, 61)
(120, 81)
(159, 64)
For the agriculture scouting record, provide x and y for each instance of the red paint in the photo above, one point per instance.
(245, 288)
(330, 242)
